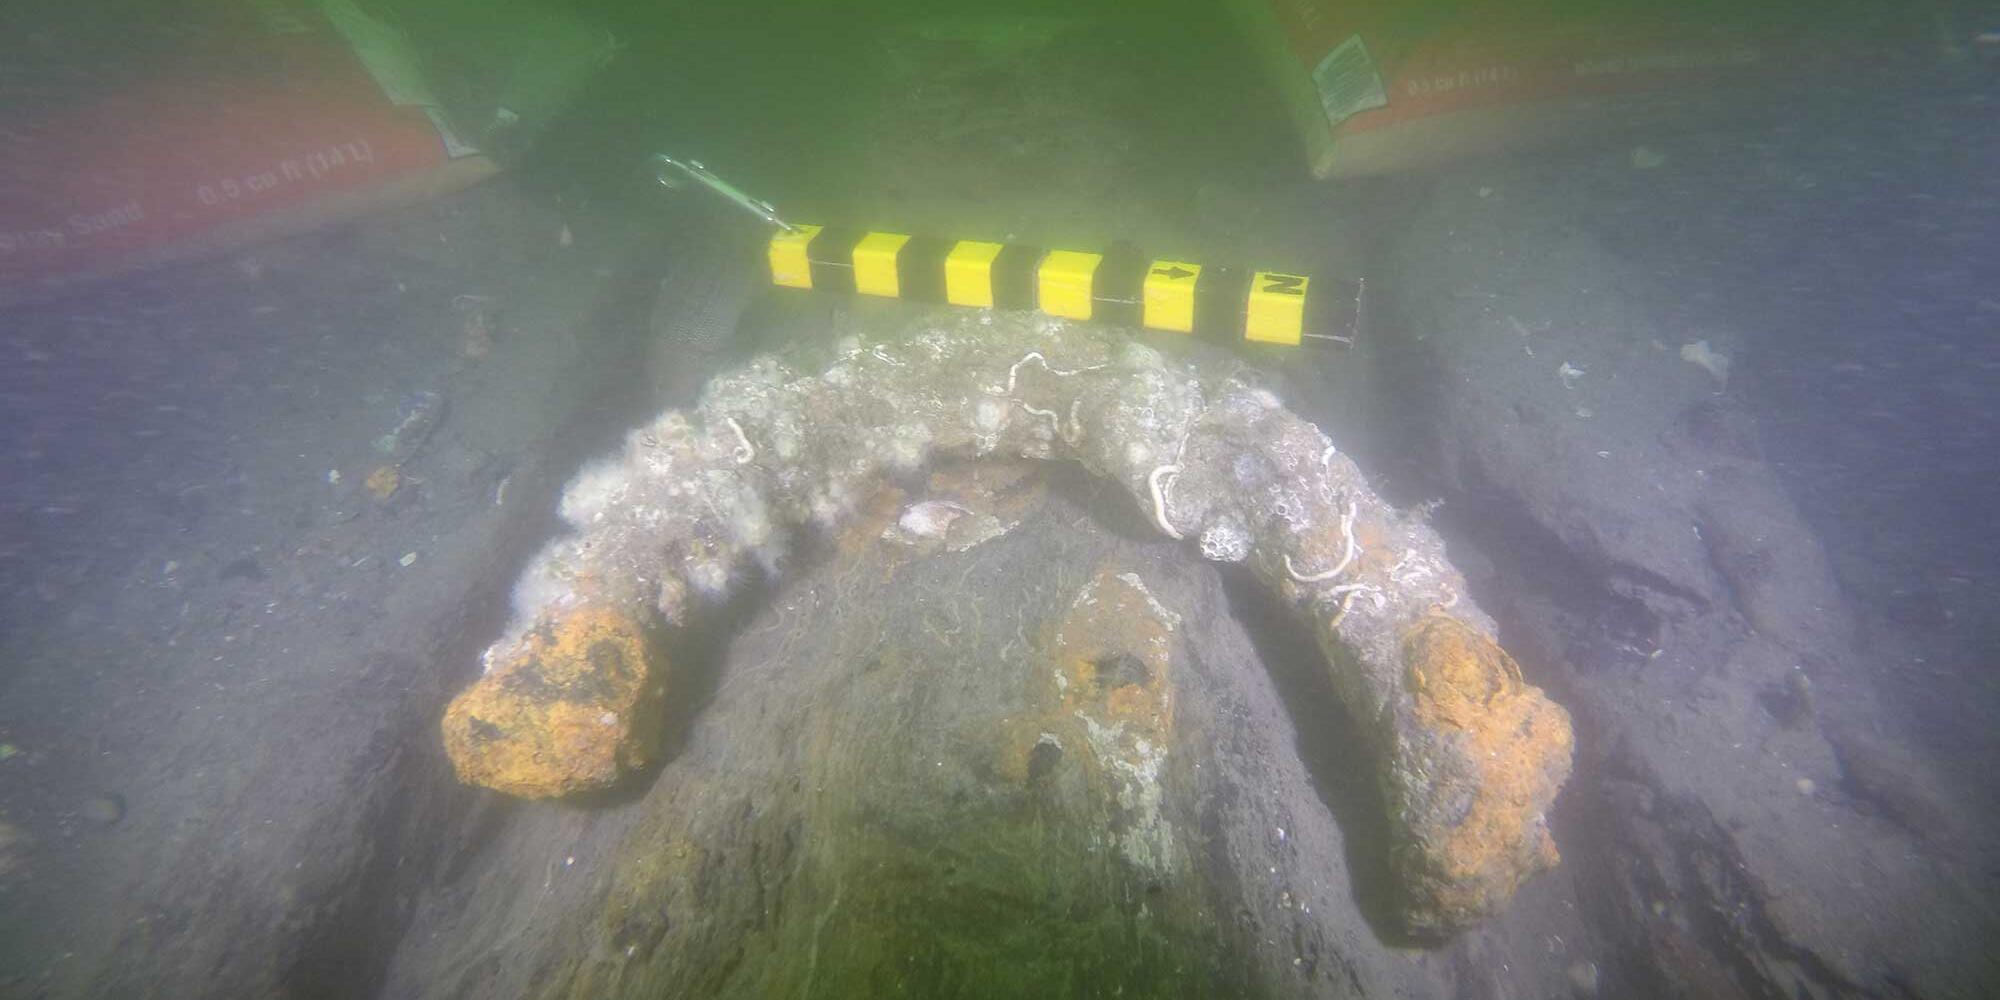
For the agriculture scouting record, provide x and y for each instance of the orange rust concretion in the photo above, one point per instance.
(572, 706)
(1500, 739)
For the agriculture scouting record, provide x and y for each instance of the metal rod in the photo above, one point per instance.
(671, 172)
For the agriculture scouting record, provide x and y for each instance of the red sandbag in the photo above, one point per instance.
(1379, 85)
(247, 121)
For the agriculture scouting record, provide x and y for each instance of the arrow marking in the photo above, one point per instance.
(1284, 284)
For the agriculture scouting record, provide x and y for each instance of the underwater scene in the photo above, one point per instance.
(1231, 499)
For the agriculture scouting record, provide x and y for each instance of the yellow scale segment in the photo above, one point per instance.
(1167, 298)
(1063, 283)
(875, 263)
(968, 273)
(789, 266)
(1276, 312)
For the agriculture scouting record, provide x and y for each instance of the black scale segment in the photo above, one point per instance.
(1014, 275)
(920, 268)
(1221, 304)
(831, 257)
(1117, 288)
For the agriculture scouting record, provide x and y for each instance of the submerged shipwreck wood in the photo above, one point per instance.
(1469, 757)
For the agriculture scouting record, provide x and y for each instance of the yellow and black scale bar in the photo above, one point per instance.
(1120, 286)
